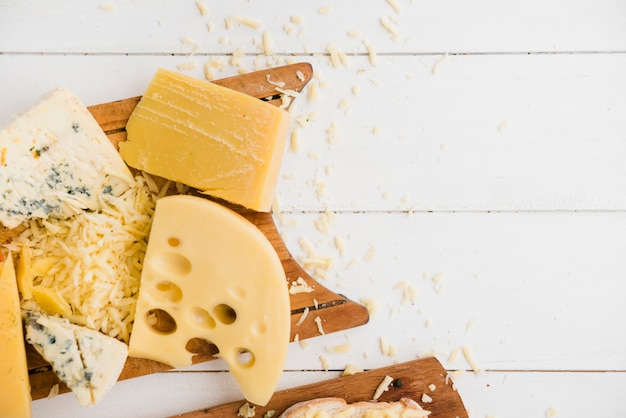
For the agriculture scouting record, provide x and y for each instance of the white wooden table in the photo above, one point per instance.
(478, 157)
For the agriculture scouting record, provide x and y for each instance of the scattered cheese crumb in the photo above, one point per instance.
(551, 413)
(299, 286)
(351, 370)
(438, 64)
(340, 245)
(268, 46)
(340, 349)
(467, 353)
(187, 66)
(296, 19)
(333, 133)
(382, 387)
(313, 92)
(503, 126)
(305, 313)
(294, 140)
(202, 8)
(324, 361)
(469, 325)
(372, 305)
(246, 411)
(373, 55)
(325, 10)
(254, 24)
(337, 58)
(318, 321)
(369, 255)
(194, 45)
(390, 27)
(394, 5)
(426, 398)
(208, 71)
(107, 7)
(432, 387)
(384, 345)
(454, 355)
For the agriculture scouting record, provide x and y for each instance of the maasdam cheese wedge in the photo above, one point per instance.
(217, 279)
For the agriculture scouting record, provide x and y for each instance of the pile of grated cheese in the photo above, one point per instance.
(95, 258)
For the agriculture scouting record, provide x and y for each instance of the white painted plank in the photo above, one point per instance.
(529, 291)
(491, 394)
(421, 26)
(442, 144)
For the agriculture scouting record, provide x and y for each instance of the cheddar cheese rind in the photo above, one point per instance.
(215, 139)
(219, 280)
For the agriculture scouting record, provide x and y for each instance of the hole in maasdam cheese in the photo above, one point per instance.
(168, 291)
(200, 346)
(160, 321)
(171, 263)
(225, 314)
(245, 357)
(202, 317)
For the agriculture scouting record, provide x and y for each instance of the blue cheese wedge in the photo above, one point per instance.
(55, 161)
(87, 361)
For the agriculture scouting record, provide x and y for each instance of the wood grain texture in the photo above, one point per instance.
(411, 380)
(336, 311)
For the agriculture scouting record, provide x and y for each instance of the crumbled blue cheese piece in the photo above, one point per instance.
(55, 161)
(87, 361)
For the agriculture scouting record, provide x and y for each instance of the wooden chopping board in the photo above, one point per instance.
(411, 379)
(336, 311)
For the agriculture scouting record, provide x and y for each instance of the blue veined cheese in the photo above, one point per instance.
(55, 161)
(87, 361)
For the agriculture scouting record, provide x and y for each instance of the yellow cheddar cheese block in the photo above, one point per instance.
(220, 141)
(15, 400)
(216, 279)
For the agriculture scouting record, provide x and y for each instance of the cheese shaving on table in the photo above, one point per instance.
(470, 359)
(243, 20)
(202, 8)
(95, 259)
(340, 349)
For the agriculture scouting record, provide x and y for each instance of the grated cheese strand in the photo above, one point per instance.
(95, 258)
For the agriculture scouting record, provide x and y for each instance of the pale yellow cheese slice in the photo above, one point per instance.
(223, 142)
(218, 278)
(15, 400)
